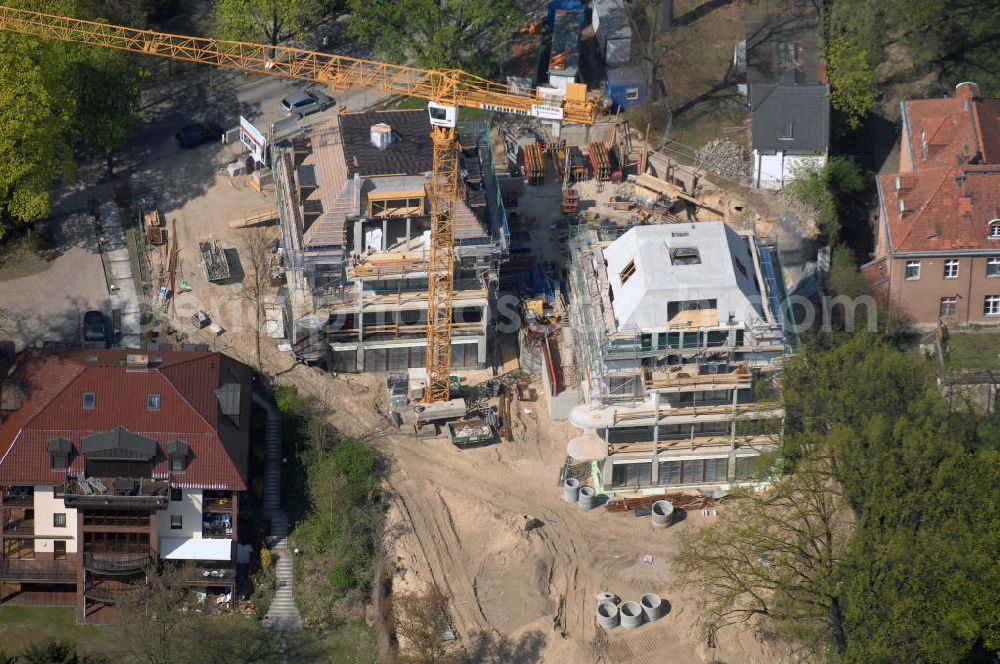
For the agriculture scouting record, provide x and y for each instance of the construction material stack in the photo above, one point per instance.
(600, 161)
(534, 164)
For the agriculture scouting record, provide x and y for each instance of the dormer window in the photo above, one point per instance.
(177, 454)
(89, 401)
(59, 453)
(152, 402)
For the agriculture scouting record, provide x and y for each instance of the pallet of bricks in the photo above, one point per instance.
(534, 164)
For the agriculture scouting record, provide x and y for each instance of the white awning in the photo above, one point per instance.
(196, 549)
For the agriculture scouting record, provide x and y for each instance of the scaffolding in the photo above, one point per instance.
(620, 366)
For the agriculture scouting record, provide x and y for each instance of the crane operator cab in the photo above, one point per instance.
(441, 115)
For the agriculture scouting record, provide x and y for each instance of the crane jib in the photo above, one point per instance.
(537, 110)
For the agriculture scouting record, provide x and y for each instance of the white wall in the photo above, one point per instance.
(774, 171)
(560, 81)
(46, 504)
(190, 508)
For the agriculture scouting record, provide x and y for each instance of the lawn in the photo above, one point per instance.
(972, 350)
(22, 626)
(697, 75)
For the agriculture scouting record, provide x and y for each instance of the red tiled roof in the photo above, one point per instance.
(55, 381)
(947, 201)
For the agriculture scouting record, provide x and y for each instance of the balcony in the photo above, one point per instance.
(15, 570)
(109, 591)
(103, 521)
(20, 527)
(216, 525)
(209, 576)
(116, 562)
(217, 504)
(19, 498)
(691, 376)
(119, 493)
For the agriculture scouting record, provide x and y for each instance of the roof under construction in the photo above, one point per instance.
(652, 268)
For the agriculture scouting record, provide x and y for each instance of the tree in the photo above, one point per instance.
(35, 136)
(53, 651)
(775, 557)
(255, 257)
(107, 88)
(650, 21)
(268, 19)
(853, 86)
(421, 622)
(438, 33)
(152, 628)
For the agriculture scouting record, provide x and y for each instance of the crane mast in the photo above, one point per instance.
(445, 91)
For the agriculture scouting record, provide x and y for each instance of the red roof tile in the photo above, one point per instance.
(947, 201)
(54, 384)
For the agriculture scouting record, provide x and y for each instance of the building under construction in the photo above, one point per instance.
(676, 329)
(354, 209)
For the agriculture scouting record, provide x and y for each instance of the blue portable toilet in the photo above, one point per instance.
(567, 5)
(626, 87)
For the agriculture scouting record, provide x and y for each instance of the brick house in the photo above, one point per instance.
(112, 461)
(937, 251)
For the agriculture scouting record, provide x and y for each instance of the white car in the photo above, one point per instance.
(302, 103)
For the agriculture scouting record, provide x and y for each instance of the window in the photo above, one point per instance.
(948, 306)
(785, 53)
(59, 550)
(175, 495)
(786, 132)
(177, 464)
(991, 305)
(89, 401)
(912, 270)
(685, 256)
(951, 268)
(59, 520)
(995, 231)
(748, 468)
(627, 272)
(993, 267)
(176, 522)
(152, 402)
(631, 474)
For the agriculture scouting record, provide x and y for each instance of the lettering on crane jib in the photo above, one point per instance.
(504, 109)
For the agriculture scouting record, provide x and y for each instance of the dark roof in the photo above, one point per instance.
(781, 34)
(410, 153)
(804, 107)
(118, 443)
(54, 382)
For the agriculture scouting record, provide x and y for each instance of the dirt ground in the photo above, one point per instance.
(457, 520)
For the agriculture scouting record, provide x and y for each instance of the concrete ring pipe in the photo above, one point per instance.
(588, 498)
(607, 615)
(607, 597)
(663, 513)
(571, 490)
(652, 606)
(631, 615)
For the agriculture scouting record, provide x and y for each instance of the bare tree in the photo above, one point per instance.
(774, 559)
(255, 257)
(421, 624)
(650, 21)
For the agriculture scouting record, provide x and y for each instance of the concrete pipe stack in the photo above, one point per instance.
(652, 606)
(663, 513)
(607, 597)
(571, 490)
(588, 498)
(607, 615)
(631, 615)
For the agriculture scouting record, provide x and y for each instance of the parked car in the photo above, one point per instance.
(304, 102)
(95, 330)
(194, 134)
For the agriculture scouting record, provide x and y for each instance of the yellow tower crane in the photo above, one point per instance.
(445, 91)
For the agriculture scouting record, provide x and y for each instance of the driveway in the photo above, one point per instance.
(48, 306)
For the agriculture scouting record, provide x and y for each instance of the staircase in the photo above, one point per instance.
(282, 614)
